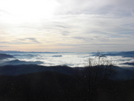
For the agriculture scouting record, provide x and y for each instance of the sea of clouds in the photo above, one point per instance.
(122, 59)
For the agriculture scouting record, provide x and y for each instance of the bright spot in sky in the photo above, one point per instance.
(25, 10)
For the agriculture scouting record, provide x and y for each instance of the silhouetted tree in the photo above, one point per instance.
(94, 75)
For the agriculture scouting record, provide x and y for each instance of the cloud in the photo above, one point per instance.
(114, 7)
(21, 41)
(4, 46)
(81, 38)
(4, 13)
(30, 39)
(84, 24)
(61, 26)
(65, 33)
(4, 42)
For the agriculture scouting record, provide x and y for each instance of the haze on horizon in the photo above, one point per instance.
(67, 25)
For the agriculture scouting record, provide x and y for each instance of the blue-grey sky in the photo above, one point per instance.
(67, 25)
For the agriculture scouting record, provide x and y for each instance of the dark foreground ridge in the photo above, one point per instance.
(52, 86)
(25, 69)
(123, 73)
(62, 83)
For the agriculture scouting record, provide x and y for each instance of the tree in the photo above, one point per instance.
(93, 76)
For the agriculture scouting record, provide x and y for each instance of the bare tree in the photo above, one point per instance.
(94, 75)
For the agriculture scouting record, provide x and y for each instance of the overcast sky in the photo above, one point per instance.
(67, 25)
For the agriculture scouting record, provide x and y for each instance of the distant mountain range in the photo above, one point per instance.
(112, 53)
(30, 52)
(123, 53)
(4, 56)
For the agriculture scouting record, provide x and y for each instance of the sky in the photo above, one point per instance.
(67, 25)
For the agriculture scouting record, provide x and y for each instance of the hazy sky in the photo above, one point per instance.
(67, 25)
